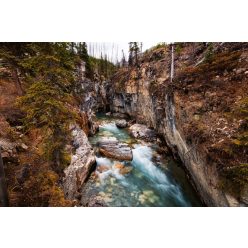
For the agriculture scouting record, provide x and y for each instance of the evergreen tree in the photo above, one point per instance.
(130, 58)
(83, 54)
(11, 54)
(133, 53)
(47, 100)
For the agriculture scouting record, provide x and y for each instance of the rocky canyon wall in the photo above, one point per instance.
(191, 113)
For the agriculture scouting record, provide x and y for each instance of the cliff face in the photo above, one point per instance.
(192, 112)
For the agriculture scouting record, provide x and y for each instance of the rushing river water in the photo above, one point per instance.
(150, 179)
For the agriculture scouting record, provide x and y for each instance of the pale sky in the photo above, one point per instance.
(113, 49)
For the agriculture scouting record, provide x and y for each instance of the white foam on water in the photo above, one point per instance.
(142, 156)
(103, 161)
(112, 171)
(111, 127)
(142, 160)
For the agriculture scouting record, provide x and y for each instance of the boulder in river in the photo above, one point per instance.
(140, 131)
(121, 123)
(112, 148)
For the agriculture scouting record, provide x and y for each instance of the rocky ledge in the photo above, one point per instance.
(112, 148)
(80, 166)
(140, 131)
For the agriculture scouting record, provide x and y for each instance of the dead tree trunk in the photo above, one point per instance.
(172, 61)
(17, 81)
(4, 200)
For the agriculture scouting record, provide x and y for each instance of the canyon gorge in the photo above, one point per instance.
(168, 130)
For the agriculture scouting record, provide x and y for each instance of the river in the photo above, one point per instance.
(150, 179)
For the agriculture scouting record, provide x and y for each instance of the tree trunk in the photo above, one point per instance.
(172, 61)
(4, 200)
(17, 81)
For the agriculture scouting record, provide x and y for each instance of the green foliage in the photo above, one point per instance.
(242, 112)
(178, 48)
(102, 66)
(209, 53)
(47, 99)
(134, 49)
(159, 45)
(41, 190)
(11, 134)
(236, 178)
(83, 54)
(13, 52)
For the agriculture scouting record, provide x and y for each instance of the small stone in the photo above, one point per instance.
(240, 70)
(24, 147)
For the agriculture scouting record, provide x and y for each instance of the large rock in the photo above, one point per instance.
(9, 151)
(112, 148)
(80, 166)
(121, 123)
(139, 131)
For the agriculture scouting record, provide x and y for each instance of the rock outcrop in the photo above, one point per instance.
(190, 112)
(80, 166)
(112, 148)
(140, 131)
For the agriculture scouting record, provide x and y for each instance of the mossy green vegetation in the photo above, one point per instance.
(48, 96)
(235, 177)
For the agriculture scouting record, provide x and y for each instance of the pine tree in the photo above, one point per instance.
(83, 54)
(133, 53)
(130, 58)
(47, 100)
(11, 53)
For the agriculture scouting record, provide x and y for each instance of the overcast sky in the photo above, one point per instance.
(113, 49)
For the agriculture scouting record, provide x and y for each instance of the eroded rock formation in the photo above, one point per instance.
(81, 163)
(191, 113)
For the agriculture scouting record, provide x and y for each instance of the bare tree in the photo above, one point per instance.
(172, 61)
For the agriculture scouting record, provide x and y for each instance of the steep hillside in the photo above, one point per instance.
(197, 111)
(40, 104)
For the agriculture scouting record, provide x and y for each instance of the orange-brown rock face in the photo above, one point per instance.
(194, 113)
